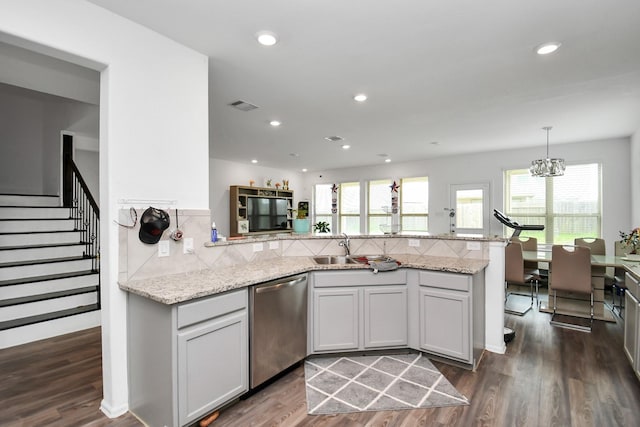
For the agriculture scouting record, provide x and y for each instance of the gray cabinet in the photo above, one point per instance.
(451, 315)
(186, 360)
(444, 322)
(336, 314)
(632, 323)
(357, 310)
(385, 316)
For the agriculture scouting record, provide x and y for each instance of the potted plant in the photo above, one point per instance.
(321, 227)
(631, 242)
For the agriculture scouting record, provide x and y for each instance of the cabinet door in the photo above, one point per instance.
(444, 323)
(385, 316)
(335, 319)
(212, 365)
(631, 329)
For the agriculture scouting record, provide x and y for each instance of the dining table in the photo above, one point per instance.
(578, 305)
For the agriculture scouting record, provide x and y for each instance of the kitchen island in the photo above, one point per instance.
(188, 333)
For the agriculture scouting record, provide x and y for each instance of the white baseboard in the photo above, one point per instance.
(113, 412)
(497, 349)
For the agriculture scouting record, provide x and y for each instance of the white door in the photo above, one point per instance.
(469, 211)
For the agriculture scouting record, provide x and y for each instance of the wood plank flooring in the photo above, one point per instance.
(548, 377)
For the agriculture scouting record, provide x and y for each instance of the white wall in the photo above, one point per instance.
(30, 126)
(88, 163)
(223, 174)
(21, 135)
(24, 68)
(634, 161)
(489, 167)
(153, 105)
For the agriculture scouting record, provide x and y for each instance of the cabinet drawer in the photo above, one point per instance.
(436, 279)
(359, 278)
(211, 307)
(633, 287)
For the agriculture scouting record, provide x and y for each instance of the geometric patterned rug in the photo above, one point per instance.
(376, 383)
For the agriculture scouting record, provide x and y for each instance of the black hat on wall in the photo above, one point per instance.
(152, 224)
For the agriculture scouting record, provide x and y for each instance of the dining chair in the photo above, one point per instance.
(528, 244)
(515, 273)
(597, 247)
(619, 286)
(571, 272)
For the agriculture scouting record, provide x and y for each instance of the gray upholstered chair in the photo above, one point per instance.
(571, 272)
(515, 273)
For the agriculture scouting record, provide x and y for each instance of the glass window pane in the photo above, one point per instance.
(569, 206)
(525, 193)
(414, 223)
(469, 208)
(350, 198)
(322, 203)
(414, 195)
(376, 221)
(379, 197)
(350, 224)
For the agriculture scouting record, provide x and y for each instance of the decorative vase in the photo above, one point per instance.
(301, 225)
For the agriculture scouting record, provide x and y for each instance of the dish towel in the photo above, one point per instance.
(388, 264)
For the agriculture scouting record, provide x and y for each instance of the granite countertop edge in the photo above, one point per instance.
(183, 287)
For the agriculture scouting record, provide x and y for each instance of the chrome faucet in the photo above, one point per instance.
(345, 243)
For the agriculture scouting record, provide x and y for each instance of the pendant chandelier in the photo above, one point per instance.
(547, 167)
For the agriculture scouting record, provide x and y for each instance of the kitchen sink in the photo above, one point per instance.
(333, 259)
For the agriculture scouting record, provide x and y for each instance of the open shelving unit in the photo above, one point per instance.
(238, 202)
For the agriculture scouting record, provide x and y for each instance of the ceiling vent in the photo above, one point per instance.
(243, 105)
(334, 138)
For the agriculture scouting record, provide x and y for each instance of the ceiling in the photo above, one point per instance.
(442, 77)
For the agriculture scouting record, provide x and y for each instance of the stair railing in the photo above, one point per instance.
(85, 213)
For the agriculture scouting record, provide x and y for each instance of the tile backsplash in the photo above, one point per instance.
(140, 261)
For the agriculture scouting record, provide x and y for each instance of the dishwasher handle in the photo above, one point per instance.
(276, 286)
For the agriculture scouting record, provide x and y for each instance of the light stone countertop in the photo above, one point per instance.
(177, 288)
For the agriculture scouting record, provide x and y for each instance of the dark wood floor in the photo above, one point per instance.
(548, 377)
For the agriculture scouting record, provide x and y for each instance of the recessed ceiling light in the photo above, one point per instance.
(434, 143)
(387, 160)
(294, 154)
(346, 146)
(304, 170)
(254, 161)
(275, 123)
(361, 97)
(547, 48)
(267, 38)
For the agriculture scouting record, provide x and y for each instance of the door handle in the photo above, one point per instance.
(276, 286)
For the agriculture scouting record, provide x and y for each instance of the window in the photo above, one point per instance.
(379, 211)
(569, 206)
(414, 204)
(349, 207)
(322, 205)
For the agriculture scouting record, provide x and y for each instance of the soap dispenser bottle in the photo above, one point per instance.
(214, 232)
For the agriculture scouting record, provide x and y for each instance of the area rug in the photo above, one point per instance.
(376, 383)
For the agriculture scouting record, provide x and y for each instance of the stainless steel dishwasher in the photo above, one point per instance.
(278, 326)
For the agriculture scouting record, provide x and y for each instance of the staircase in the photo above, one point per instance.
(49, 274)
